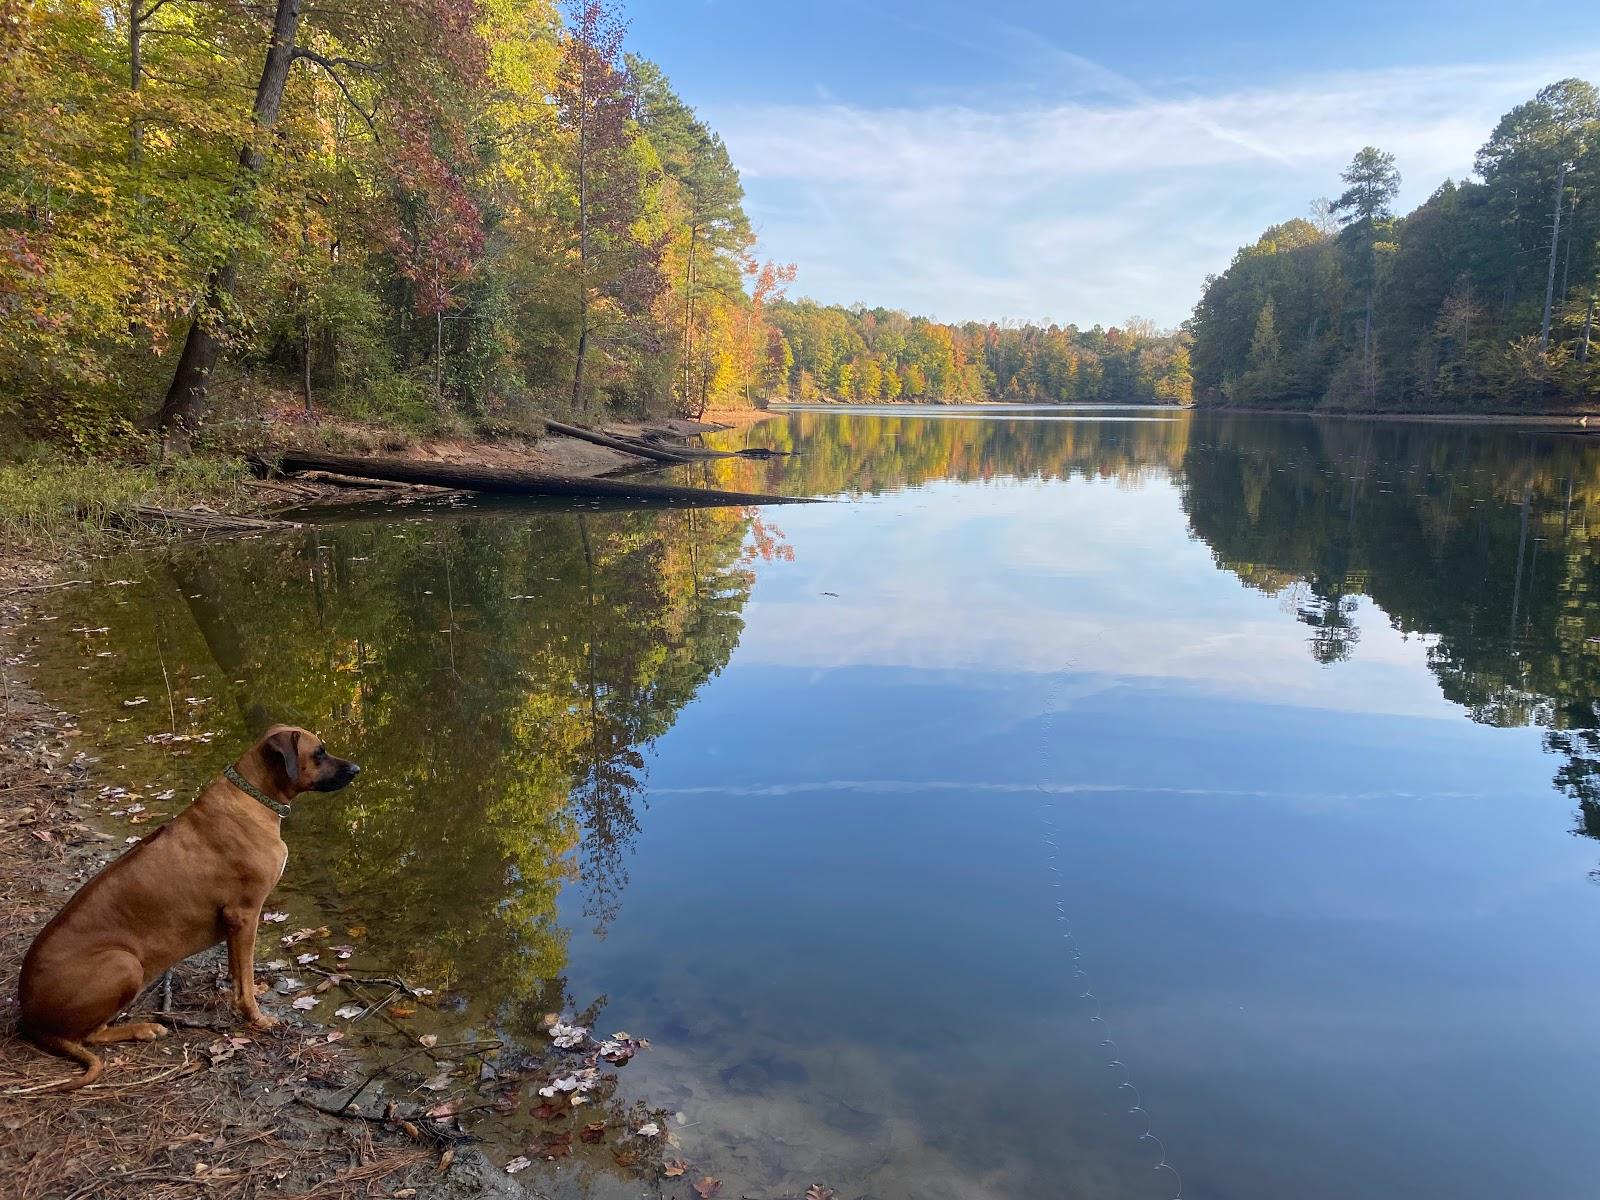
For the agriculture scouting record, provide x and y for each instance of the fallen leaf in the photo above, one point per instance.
(556, 1145)
(593, 1133)
(402, 1011)
(627, 1158)
(519, 1163)
(649, 1130)
(674, 1167)
(568, 1037)
(430, 1040)
(290, 984)
(303, 959)
(306, 1003)
(707, 1188)
(817, 1192)
(550, 1112)
(445, 1159)
(347, 1011)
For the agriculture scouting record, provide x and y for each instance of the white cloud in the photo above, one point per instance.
(1088, 209)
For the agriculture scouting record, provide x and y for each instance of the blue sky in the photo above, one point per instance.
(1036, 161)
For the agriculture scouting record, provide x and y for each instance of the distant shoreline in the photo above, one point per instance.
(1554, 420)
(1550, 419)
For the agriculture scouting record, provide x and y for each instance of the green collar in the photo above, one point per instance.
(244, 785)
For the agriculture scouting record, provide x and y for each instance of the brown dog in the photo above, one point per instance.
(198, 880)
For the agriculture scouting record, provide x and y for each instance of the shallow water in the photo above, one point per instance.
(1075, 806)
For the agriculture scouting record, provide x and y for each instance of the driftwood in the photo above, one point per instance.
(205, 521)
(626, 445)
(504, 482)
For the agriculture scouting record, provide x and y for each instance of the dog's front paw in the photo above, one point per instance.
(260, 1020)
(148, 1031)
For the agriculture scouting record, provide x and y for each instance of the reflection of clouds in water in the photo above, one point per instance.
(1308, 800)
(1251, 657)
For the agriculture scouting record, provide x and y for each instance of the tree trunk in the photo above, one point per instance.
(627, 445)
(186, 396)
(1550, 276)
(305, 362)
(135, 77)
(688, 316)
(1566, 259)
(1368, 375)
(1588, 325)
(501, 481)
(583, 240)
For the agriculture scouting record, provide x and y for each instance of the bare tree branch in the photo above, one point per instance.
(331, 65)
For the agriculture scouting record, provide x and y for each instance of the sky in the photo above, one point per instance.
(1034, 161)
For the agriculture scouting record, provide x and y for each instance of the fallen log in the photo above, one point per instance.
(206, 521)
(626, 445)
(504, 482)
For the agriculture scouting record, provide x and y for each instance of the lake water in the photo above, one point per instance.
(1106, 803)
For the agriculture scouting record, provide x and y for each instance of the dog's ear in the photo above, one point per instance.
(282, 751)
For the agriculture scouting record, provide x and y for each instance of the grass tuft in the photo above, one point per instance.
(52, 502)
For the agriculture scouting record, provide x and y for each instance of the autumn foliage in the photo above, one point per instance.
(457, 202)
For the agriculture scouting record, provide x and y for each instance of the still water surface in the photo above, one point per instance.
(1077, 793)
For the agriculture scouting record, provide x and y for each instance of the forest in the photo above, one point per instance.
(433, 212)
(873, 355)
(463, 215)
(1483, 298)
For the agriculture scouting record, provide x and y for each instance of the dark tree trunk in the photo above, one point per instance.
(583, 241)
(135, 76)
(305, 362)
(1369, 376)
(1550, 276)
(186, 397)
(500, 481)
(688, 316)
(627, 445)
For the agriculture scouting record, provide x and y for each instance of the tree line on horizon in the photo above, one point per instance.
(1482, 297)
(870, 355)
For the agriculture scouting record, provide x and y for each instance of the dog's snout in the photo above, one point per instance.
(352, 769)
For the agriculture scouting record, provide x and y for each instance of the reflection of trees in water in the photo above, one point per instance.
(878, 452)
(1474, 539)
(498, 678)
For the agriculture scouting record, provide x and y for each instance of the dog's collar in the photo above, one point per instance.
(244, 785)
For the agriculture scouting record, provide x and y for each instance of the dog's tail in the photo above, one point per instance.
(78, 1052)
